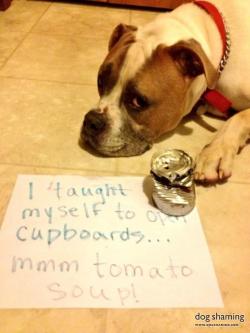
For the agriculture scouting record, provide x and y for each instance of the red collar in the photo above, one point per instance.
(214, 97)
(218, 20)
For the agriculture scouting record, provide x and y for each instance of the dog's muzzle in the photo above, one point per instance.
(97, 132)
(94, 123)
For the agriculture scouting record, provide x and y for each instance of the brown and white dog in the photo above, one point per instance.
(154, 75)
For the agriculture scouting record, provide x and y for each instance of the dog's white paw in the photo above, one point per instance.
(215, 162)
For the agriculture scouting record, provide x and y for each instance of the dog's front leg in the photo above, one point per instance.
(215, 162)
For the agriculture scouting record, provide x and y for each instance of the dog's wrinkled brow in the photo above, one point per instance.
(106, 79)
(111, 67)
(130, 90)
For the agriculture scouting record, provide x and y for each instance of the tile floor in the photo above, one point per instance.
(49, 56)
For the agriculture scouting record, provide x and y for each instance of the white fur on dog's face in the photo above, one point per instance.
(144, 92)
(123, 135)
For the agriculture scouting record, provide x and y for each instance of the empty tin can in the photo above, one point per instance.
(172, 174)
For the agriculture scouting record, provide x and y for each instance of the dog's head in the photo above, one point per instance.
(145, 90)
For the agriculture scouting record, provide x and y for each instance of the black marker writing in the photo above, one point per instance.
(43, 265)
(102, 192)
(26, 233)
(124, 213)
(168, 269)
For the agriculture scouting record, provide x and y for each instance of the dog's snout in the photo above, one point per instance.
(94, 123)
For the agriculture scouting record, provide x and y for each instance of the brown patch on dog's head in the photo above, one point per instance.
(119, 43)
(156, 97)
(144, 94)
(192, 61)
(119, 31)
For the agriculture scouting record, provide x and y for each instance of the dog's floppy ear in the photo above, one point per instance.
(118, 32)
(192, 61)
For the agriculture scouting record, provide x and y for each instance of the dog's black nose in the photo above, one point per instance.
(94, 123)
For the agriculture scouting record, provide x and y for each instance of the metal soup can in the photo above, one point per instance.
(172, 174)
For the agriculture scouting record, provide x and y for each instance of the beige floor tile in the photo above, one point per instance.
(170, 321)
(241, 170)
(224, 212)
(22, 15)
(8, 42)
(57, 58)
(77, 19)
(40, 125)
(53, 321)
(148, 321)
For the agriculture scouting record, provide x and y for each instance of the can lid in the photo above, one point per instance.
(172, 165)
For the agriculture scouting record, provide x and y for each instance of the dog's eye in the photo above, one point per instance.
(137, 102)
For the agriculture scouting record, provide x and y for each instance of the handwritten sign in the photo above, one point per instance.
(71, 241)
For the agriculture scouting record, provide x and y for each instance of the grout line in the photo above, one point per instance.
(130, 17)
(236, 182)
(116, 171)
(70, 36)
(26, 33)
(48, 81)
(117, 166)
(54, 167)
(14, 50)
(39, 19)
(240, 182)
(32, 32)
(73, 34)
